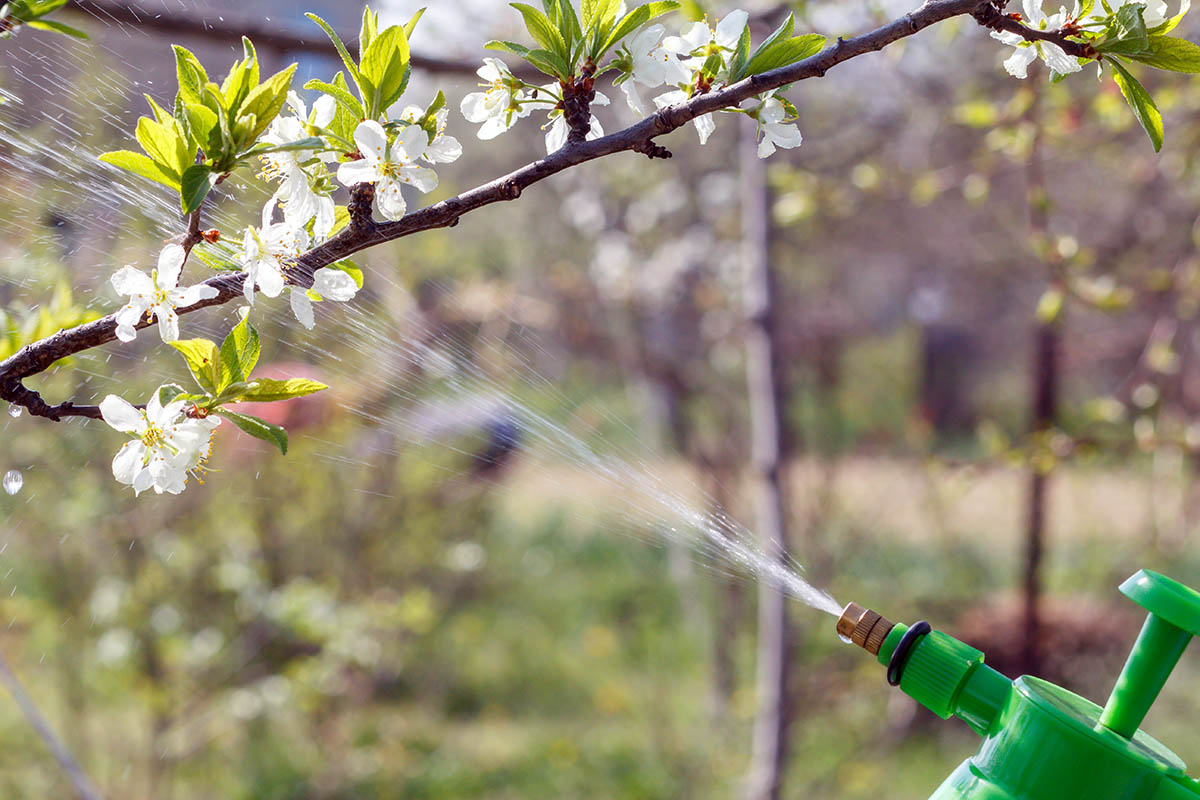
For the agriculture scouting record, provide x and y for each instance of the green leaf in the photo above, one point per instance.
(634, 20)
(307, 143)
(543, 30)
(239, 353)
(367, 30)
(203, 128)
(386, 66)
(268, 390)
(198, 180)
(351, 67)
(190, 74)
(258, 428)
(169, 392)
(1140, 101)
(1126, 31)
(784, 31)
(203, 360)
(741, 55)
(1170, 53)
(343, 97)
(411, 25)
(57, 27)
(265, 101)
(141, 165)
(787, 51)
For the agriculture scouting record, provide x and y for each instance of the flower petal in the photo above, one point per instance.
(132, 281)
(302, 307)
(128, 462)
(168, 322)
(170, 263)
(371, 141)
(334, 284)
(122, 416)
(389, 199)
(360, 171)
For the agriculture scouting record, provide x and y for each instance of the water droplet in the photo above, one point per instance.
(14, 410)
(845, 639)
(13, 481)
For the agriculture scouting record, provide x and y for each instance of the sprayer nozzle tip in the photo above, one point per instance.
(864, 627)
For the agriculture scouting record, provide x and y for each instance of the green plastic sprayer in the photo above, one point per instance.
(1040, 741)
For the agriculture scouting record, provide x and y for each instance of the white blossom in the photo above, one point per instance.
(705, 125)
(1027, 52)
(700, 39)
(267, 252)
(157, 292)
(330, 284)
(653, 65)
(165, 447)
(558, 130)
(442, 149)
(388, 168)
(500, 105)
(298, 171)
(773, 129)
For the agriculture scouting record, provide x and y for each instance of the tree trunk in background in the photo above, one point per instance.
(1044, 385)
(763, 371)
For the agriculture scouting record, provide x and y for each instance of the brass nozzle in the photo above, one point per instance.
(864, 627)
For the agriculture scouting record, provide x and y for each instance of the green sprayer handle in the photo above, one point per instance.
(1173, 620)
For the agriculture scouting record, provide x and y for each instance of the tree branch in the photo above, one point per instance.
(38, 356)
(989, 16)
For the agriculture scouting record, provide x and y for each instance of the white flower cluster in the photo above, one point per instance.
(651, 60)
(166, 447)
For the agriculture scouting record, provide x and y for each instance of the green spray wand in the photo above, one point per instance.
(1040, 741)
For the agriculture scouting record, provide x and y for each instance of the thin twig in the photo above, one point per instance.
(58, 748)
(989, 17)
(38, 356)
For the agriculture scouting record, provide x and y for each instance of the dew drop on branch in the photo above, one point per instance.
(14, 410)
(13, 481)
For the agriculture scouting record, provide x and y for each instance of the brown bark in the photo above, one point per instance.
(764, 370)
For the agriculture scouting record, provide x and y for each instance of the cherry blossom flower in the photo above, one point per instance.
(300, 172)
(330, 284)
(1027, 52)
(500, 105)
(442, 149)
(388, 168)
(652, 66)
(701, 40)
(158, 292)
(772, 127)
(165, 447)
(267, 252)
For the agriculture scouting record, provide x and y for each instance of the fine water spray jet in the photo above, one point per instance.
(1040, 741)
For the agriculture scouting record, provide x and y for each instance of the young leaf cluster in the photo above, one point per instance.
(224, 377)
(569, 40)
(211, 130)
(380, 74)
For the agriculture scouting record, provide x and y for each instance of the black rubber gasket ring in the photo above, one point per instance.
(900, 654)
